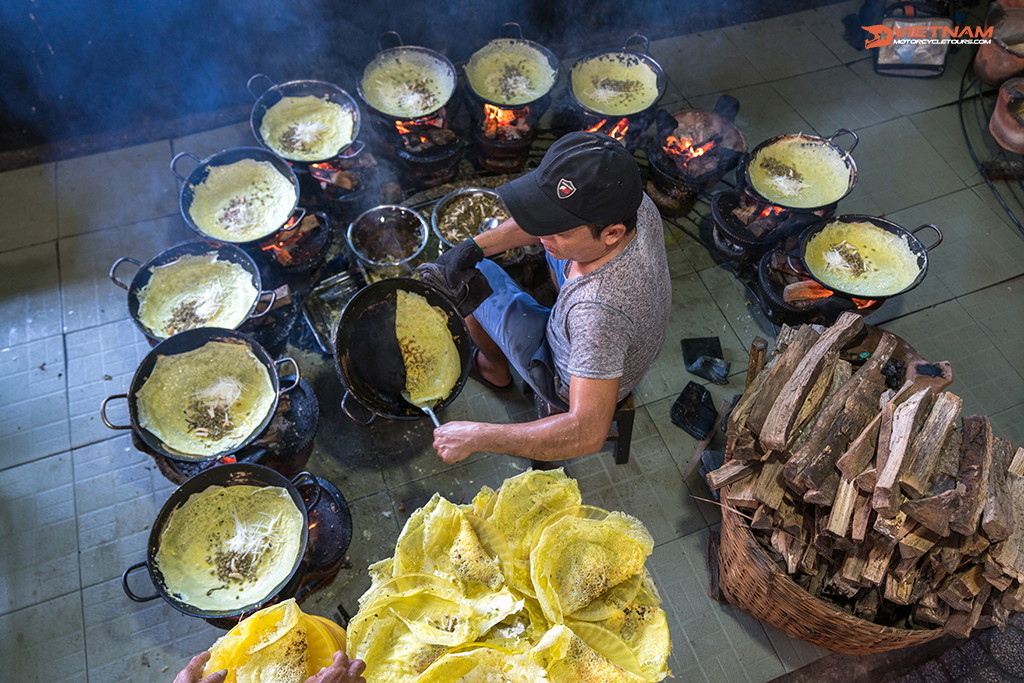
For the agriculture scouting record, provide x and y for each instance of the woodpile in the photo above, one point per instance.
(859, 477)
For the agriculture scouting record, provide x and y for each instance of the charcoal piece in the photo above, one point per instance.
(895, 373)
(694, 411)
(703, 357)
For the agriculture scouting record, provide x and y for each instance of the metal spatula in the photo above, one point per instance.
(426, 406)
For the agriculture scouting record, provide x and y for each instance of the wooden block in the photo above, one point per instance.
(862, 513)
(867, 604)
(934, 512)
(770, 488)
(960, 589)
(1009, 553)
(891, 528)
(778, 375)
(842, 508)
(827, 385)
(960, 624)
(861, 451)
(1017, 465)
(741, 494)
(731, 471)
(975, 460)
(918, 542)
(887, 495)
(1013, 598)
(756, 360)
(997, 514)
(842, 417)
(923, 455)
(931, 610)
(877, 564)
(898, 591)
(994, 613)
(775, 431)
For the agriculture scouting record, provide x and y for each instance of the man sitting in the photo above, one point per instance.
(604, 243)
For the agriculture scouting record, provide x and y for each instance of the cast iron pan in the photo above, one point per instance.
(366, 353)
(187, 341)
(223, 475)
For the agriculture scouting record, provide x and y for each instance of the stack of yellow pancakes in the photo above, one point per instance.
(524, 584)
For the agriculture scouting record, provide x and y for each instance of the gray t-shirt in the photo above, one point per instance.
(612, 321)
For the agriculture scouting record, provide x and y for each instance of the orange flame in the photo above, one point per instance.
(496, 118)
(770, 211)
(618, 131)
(684, 147)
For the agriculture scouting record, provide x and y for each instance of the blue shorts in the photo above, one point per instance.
(518, 325)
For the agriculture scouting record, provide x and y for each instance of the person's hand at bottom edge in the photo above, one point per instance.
(341, 670)
(193, 672)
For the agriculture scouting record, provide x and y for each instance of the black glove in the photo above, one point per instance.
(454, 274)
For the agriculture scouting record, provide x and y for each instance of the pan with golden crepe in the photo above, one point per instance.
(866, 256)
(203, 393)
(238, 195)
(303, 121)
(509, 72)
(399, 335)
(193, 284)
(618, 83)
(227, 541)
(802, 172)
(407, 82)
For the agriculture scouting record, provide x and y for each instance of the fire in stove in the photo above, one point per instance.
(299, 242)
(506, 125)
(423, 137)
(617, 129)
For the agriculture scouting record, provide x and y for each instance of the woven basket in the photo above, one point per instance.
(752, 581)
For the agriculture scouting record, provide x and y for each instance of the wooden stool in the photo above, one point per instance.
(620, 433)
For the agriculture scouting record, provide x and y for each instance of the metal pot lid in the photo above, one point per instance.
(407, 82)
(511, 72)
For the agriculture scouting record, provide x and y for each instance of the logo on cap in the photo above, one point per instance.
(565, 189)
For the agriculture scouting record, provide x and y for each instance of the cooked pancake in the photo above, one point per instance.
(617, 84)
(483, 665)
(799, 173)
(861, 259)
(431, 359)
(206, 401)
(577, 559)
(509, 72)
(243, 201)
(583, 653)
(307, 128)
(227, 548)
(439, 539)
(407, 83)
(196, 290)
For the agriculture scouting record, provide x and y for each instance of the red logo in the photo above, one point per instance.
(880, 36)
(565, 189)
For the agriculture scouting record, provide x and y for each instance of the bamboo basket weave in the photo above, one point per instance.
(751, 580)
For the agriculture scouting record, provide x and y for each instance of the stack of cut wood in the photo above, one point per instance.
(859, 481)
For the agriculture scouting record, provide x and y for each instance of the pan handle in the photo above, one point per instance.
(128, 591)
(176, 158)
(856, 138)
(282, 361)
(646, 41)
(113, 268)
(511, 24)
(316, 488)
(266, 309)
(938, 234)
(253, 79)
(344, 407)
(103, 412)
(394, 34)
(352, 150)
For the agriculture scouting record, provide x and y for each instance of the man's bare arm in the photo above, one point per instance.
(505, 236)
(581, 431)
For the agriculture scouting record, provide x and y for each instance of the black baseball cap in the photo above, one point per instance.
(583, 178)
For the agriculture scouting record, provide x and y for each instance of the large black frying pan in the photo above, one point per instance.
(187, 341)
(227, 157)
(234, 474)
(366, 353)
(224, 252)
(919, 250)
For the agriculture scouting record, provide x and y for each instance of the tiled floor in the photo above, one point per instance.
(76, 500)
